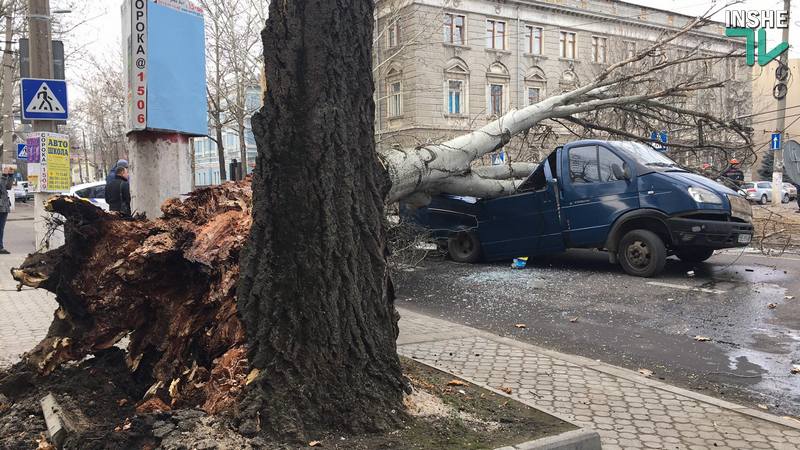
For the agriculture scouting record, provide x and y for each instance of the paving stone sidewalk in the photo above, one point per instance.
(24, 315)
(625, 408)
(628, 410)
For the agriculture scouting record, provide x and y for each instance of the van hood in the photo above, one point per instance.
(693, 179)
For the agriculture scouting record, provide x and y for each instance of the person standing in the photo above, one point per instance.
(118, 192)
(113, 172)
(734, 173)
(797, 186)
(6, 181)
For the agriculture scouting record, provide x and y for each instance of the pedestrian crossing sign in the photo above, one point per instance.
(44, 99)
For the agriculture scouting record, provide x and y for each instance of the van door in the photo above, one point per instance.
(593, 196)
(527, 223)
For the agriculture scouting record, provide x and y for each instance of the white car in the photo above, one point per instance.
(94, 192)
(21, 193)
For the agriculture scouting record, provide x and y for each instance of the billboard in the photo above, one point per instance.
(48, 163)
(165, 74)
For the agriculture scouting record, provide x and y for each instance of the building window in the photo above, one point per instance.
(683, 67)
(395, 99)
(567, 45)
(496, 34)
(534, 95)
(394, 33)
(534, 37)
(455, 97)
(454, 29)
(496, 99)
(630, 49)
(599, 49)
(535, 83)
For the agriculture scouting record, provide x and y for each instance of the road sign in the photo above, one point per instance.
(44, 99)
(22, 151)
(659, 140)
(499, 158)
(775, 143)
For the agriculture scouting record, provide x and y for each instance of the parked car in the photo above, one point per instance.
(94, 192)
(761, 192)
(21, 193)
(624, 197)
(790, 190)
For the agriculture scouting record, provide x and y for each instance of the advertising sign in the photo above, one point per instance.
(164, 48)
(49, 163)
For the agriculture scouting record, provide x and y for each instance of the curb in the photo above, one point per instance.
(570, 440)
(601, 367)
(580, 439)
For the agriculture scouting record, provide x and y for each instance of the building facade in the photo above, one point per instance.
(447, 68)
(206, 159)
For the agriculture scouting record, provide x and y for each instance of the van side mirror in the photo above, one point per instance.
(619, 172)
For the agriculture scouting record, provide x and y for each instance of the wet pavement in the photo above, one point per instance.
(579, 303)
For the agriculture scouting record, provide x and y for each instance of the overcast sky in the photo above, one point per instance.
(100, 35)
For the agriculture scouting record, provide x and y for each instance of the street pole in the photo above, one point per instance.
(777, 164)
(41, 66)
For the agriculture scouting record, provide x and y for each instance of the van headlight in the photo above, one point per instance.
(703, 195)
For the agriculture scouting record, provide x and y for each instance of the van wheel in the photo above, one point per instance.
(464, 246)
(694, 254)
(763, 200)
(785, 199)
(642, 253)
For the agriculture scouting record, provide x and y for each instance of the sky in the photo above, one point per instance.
(100, 32)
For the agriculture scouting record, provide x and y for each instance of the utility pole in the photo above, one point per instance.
(41, 54)
(7, 101)
(777, 164)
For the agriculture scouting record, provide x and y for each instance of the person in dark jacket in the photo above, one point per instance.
(112, 174)
(797, 186)
(118, 192)
(734, 173)
(6, 181)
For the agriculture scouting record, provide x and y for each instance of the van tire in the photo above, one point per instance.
(694, 254)
(763, 200)
(464, 246)
(642, 253)
(785, 198)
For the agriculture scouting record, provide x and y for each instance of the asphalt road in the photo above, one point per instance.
(579, 303)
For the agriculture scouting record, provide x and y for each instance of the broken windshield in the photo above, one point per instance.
(646, 155)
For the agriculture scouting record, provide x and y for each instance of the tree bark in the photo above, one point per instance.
(315, 295)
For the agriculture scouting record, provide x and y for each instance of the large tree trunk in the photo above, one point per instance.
(315, 295)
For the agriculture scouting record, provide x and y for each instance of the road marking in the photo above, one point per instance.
(686, 288)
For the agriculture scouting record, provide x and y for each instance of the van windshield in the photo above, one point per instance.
(646, 155)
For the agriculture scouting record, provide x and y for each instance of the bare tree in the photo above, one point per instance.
(232, 35)
(100, 113)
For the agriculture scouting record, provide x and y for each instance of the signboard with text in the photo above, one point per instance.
(48, 163)
(165, 75)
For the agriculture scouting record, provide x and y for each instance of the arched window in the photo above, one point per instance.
(535, 83)
(456, 87)
(497, 94)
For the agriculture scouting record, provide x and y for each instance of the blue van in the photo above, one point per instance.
(623, 197)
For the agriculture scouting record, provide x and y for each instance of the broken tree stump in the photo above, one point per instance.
(168, 284)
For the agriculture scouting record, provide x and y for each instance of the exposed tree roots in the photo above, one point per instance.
(168, 285)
